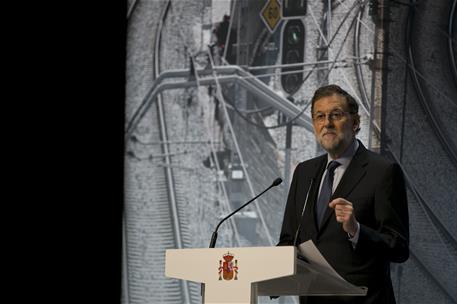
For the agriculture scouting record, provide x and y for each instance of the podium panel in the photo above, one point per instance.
(229, 272)
(240, 275)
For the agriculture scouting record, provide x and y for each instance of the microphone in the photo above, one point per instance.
(303, 212)
(212, 244)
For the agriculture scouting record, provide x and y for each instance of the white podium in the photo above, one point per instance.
(240, 275)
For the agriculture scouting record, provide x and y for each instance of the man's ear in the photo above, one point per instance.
(356, 124)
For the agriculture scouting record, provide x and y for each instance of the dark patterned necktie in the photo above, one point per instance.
(326, 191)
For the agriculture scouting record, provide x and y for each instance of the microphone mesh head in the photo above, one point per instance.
(277, 181)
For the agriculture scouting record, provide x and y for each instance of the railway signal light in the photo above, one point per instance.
(292, 51)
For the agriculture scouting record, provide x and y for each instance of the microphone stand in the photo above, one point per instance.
(302, 213)
(212, 243)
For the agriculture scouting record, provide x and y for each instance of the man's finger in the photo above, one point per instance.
(339, 201)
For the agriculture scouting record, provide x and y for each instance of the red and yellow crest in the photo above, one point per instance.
(228, 269)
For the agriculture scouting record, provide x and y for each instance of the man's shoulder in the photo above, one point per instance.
(379, 160)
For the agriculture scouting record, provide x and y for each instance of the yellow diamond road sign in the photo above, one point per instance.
(271, 14)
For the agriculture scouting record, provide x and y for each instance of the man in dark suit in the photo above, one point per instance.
(356, 213)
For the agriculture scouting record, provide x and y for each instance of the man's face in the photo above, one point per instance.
(336, 131)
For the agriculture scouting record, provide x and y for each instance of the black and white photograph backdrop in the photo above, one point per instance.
(217, 106)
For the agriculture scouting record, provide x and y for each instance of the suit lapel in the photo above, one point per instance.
(319, 172)
(315, 172)
(351, 177)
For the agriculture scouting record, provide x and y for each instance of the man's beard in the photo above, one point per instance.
(336, 145)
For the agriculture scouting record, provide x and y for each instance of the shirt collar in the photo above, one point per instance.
(347, 155)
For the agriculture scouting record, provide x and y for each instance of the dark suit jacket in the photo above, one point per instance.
(376, 188)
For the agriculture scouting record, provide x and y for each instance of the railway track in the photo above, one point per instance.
(158, 223)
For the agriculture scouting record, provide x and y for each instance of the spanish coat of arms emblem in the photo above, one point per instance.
(228, 269)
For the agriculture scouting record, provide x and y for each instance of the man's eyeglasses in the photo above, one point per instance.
(335, 115)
